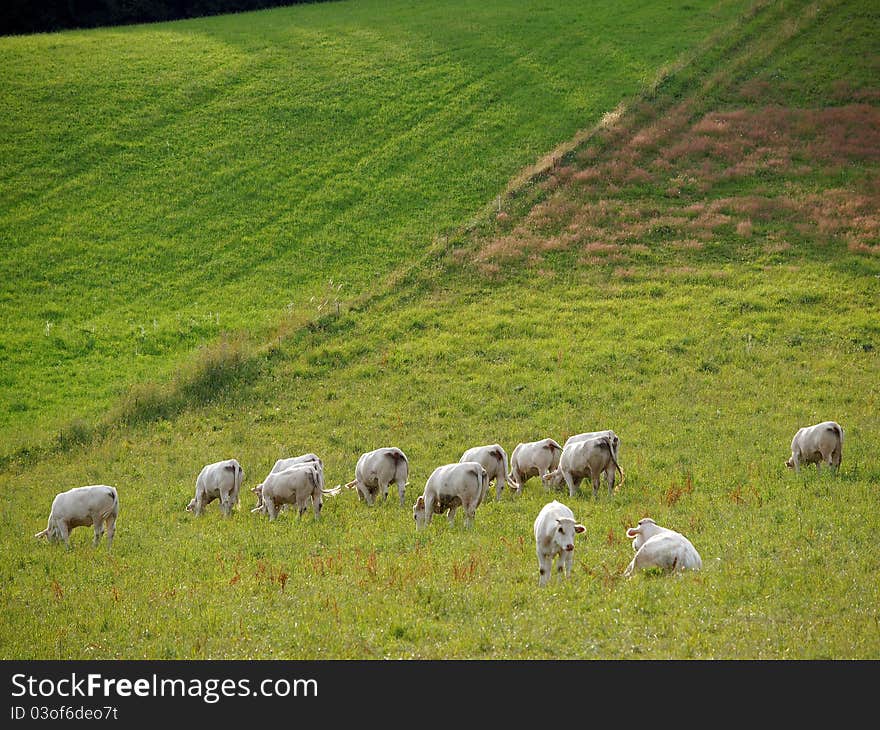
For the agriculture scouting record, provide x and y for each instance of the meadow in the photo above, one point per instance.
(167, 184)
(698, 271)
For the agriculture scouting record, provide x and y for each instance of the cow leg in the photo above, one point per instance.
(367, 493)
(99, 530)
(595, 479)
(450, 516)
(470, 511)
(64, 533)
(545, 566)
(401, 493)
(541, 474)
(609, 479)
(271, 508)
(830, 460)
(225, 499)
(572, 485)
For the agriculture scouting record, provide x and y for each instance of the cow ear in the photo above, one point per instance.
(420, 503)
(579, 528)
(632, 532)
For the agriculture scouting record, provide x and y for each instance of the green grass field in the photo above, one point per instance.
(698, 271)
(166, 184)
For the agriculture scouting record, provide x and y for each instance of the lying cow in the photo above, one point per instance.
(221, 480)
(819, 444)
(587, 459)
(555, 528)
(96, 505)
(533, 459)
(494, 461)
(449, 487)
(376, 470)
(615, 440)
(298, 485)
(660, 547)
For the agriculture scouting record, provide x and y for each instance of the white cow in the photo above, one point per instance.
(449, 487)
(533, 459)
(376, 470)
(282, 464)
(585, 460)
(660, 547)
(615, 439)
(96, 505)
(555, 528)
(822, 443)
(494, 461)
(297, 485)
(221, 480)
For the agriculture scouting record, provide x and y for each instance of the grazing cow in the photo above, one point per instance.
(298, 484)
(533, 459)
(221, 480)
(615, 440)
(377, 470)
(282, 464)
(660, 547)
(822, 443)
(585, 459)
(449, 487)
(96, 505)
(555, 528)
(494, 461)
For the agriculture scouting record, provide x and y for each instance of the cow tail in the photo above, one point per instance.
(239, 478)
(616, 465)
(400, 460)
(503, 456)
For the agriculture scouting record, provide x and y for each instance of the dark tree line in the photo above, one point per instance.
(38, 16)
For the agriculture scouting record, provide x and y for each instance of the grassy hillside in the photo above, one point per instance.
(167, 184)
(699, 272)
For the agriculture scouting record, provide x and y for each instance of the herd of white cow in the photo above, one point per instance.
(299, 481)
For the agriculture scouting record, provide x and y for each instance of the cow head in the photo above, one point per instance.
(790, 462)
(51, 533)
(646, 529)
(553, 479)
(419, 513)
(564, 531)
